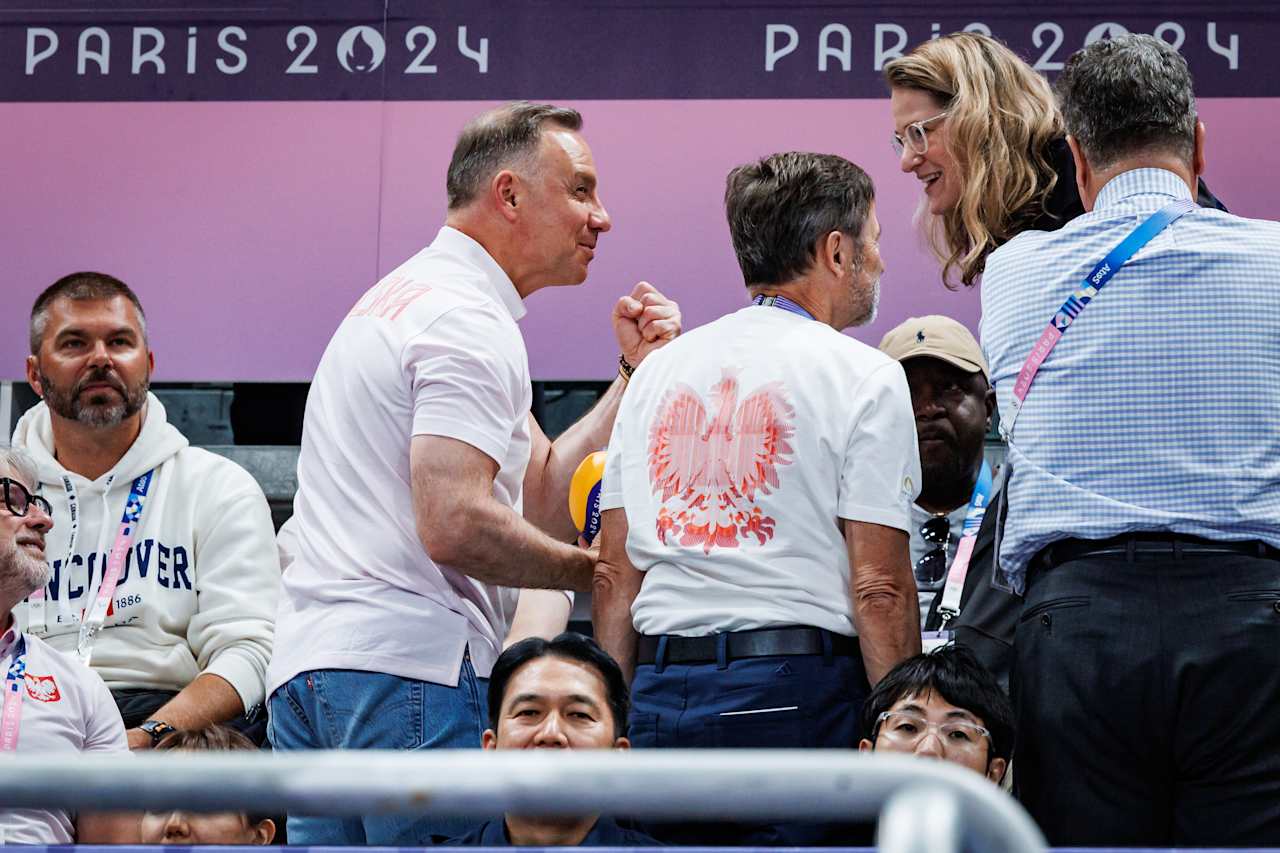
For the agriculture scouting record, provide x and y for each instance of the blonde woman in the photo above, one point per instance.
(981, 131)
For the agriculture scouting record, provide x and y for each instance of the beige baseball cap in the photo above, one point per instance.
(937, 337)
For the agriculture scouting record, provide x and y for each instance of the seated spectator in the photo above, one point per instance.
(942, 705)
(182, 632)
(62, 707)
(953, 404)
(180, 827)
(565, 693)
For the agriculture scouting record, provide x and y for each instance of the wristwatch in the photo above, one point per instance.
(157, 729)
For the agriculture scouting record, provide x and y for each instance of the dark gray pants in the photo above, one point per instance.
(1147, 691)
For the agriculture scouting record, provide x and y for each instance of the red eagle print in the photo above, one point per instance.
(708, 470)
(42, 687)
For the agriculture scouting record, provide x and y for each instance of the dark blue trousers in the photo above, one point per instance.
(784, 702)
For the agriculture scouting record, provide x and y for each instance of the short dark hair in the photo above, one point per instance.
(570, 646)
(956, 675)
(779, 207)
(81, 287)
(1126, 95)
(211, 738)
(494, 139)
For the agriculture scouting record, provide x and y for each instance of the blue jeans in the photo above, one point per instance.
(350, 709)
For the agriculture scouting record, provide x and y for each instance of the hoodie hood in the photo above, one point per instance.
(158, 442)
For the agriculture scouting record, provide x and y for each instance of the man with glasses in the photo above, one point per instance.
(53, 706)
(942, 705)
(164, 567)
(953, 406)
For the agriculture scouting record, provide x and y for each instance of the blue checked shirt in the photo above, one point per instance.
(1159, 410)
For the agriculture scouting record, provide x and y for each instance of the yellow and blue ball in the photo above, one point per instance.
(584, 495)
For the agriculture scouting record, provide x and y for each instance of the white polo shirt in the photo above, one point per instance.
(432, 349)
(67, 708)
(737, 450)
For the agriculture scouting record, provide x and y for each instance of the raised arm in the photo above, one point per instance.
(642, 322)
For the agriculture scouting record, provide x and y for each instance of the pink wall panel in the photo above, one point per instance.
(248, 229)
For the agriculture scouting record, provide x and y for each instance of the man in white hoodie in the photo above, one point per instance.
(164, 573)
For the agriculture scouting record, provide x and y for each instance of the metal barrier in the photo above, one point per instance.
(927, 805)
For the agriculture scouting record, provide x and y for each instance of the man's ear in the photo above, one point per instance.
(508, 193)
(264, 832)
(989, 400)
(1083, 172)
(865, 745)
(489, 740)
(829, 254)
(1197, 157)
(33, 376)
(621, 743)
(995, 769)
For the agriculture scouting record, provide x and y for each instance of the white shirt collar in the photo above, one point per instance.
(454, 242)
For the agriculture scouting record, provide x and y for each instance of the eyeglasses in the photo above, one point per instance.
(931, 569)
(18, 500)
(917, 136)
(905, 729)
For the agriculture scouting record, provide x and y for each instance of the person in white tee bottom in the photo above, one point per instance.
(426, 492)
(754, 570)
(61, 706)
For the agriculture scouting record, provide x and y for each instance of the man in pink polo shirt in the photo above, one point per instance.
(60, 705)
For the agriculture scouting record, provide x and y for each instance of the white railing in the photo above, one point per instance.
(924, 806)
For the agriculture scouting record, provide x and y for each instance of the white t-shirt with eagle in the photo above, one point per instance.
(737, 449)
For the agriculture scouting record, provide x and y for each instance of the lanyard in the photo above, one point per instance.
(14, 688)
(978, 503)
(781, 302)
(93, 619)
(1076, 302)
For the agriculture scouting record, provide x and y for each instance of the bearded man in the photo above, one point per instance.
(164, 575)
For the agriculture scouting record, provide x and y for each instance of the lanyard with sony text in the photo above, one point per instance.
(1076, 302)
(14, 687)
(96, 615)
(781, 302)
(949, 608)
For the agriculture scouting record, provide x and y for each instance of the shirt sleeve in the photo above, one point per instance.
(611, 481)
(237, 579)
(881, 473)
(468, 372)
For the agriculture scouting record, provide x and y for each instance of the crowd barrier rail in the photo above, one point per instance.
(924, 806)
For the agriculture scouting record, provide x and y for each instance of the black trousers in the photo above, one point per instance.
(1147, 691)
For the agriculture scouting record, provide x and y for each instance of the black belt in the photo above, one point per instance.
(1139, 546)
(767, 642)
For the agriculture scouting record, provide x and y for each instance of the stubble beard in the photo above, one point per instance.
(102, 410)
(868, 302)
(21, 573)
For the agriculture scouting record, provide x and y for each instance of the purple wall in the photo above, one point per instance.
(249, 228)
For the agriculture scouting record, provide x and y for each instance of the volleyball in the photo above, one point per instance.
(584, 495)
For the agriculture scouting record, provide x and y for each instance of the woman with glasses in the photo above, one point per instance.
(982, 132)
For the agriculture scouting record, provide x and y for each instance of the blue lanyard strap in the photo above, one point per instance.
(782, 302)
(1080, 299)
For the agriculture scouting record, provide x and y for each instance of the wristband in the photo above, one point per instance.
(625, 369)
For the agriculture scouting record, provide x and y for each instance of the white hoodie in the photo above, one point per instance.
(199, 587)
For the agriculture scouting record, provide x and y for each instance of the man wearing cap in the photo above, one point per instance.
(953, 405)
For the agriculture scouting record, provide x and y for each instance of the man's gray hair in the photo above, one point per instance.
(495, 140)
(17, 464)
(1128, 95)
